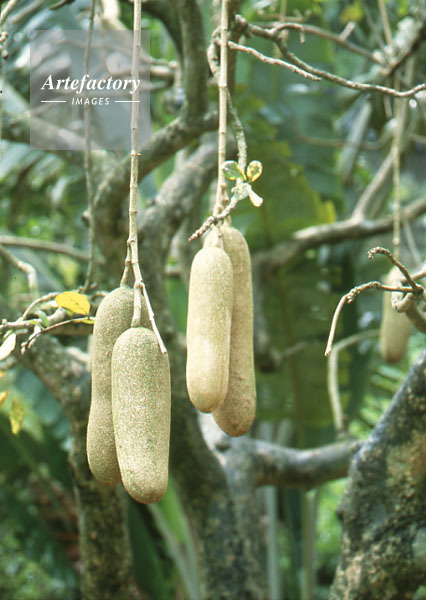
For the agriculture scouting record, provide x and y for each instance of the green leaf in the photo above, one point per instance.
(254, 170)
(232, 170)
(43, 318)
(255, 199)
(16, 416)
(74, 302)
(241, 191)
(8, 345)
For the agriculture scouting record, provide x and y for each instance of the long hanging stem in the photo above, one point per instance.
(88, 160)
(221, 195)
(132, 259)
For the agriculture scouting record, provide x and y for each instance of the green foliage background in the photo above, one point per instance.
(44, 197)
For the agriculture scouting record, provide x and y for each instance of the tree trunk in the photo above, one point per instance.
(383, 511)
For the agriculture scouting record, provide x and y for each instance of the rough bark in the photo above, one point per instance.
(383, 552)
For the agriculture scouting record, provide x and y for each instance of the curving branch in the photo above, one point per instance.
(278, 36)
(267, 261)
(195, 68)
(44, 246)
(166, 12)
(306, 469)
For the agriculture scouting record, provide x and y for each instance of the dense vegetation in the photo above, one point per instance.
(343, 171)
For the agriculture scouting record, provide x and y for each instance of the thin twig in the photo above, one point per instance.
(274, 61)
(213, 220)
(3, 75)
(34, 336)
(88, 157)
(327, 35)
(354, 85)
(221, 192)
(385, 22)
(44, 246)
(275, 34)
(132, 258)
(235, 122)
(333, 370)
(350, 297)
(25, 267)
(221, 210)
(5, 12)
(45, 298)
(416, 288)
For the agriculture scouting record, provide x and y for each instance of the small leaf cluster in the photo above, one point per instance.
(73, 303)
(242, 188)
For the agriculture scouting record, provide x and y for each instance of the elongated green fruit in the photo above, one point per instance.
(238, 410)
(114, 316)
(141, 413)
(209, 328)
(395, 327)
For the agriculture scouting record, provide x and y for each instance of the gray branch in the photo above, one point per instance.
(312, 237)
(290, 467)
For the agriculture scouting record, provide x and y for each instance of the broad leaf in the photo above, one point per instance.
(74, 302)
(254, 170)
(232, 170)
(8, 345)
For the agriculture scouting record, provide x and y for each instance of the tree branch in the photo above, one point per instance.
(312, 237)
(290, 467)
(44, 246)
(195, 68)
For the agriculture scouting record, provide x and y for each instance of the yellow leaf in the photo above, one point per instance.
(2, 373)
(254, 170)
(8, 346)
(16, 416)
(73, 301)
(3, 397)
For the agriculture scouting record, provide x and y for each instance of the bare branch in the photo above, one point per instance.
(355, 85)
(5, 12)
(275, 34)
(45, 246)
(213, 220)
(302, 468)
(303, 28)
(25, 267)
(311, 237)
(274, 61)
(416, 288)
(333, 371)
(194, 58)
(417, 318)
